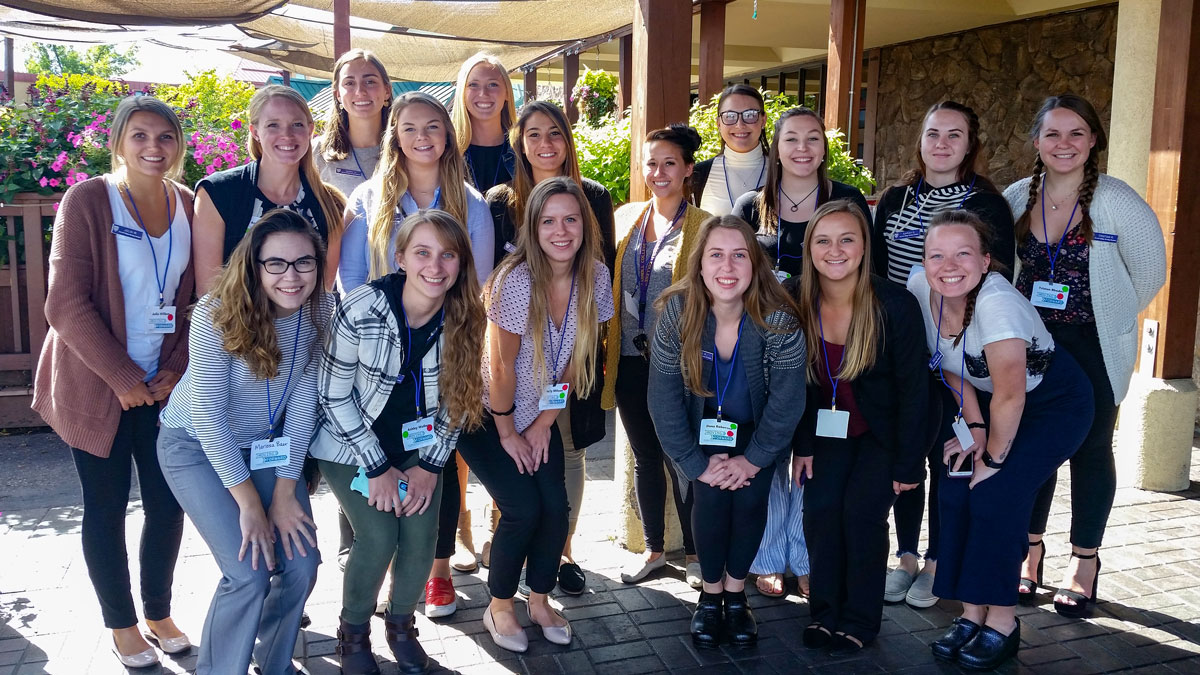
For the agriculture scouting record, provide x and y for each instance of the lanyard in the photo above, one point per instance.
(563, 336)
(407, 363)
(356, 162)
(162, 285)
(732, 364)
(1054, 256)
(779, 256)
(825, 351)
(725, 170)
(505, 156)
(962, 369)
(917, 198)
(437, 199)
(271, 411)
(645, 263)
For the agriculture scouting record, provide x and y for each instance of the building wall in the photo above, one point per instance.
(1004, 72)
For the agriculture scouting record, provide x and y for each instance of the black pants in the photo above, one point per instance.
(729, 524)
(845, 524)
(1093, 470)
(106, 483)
(910, 505)
(649, 480)
(533, 511)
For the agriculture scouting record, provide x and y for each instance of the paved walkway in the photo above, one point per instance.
(1148, 621)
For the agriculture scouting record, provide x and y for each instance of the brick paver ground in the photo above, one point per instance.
(1148, 619)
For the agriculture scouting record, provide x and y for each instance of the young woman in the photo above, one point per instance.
(654, 250)
(545, 304)
(384, 421)
(282, 175)
(544, 148)
(235, 434)
(1010, 386)
(742, 164)
(119, 273)
(726, 392)
(947, 176)
(483, 113)
(1105, 255)
(857, 446)
(797, 183)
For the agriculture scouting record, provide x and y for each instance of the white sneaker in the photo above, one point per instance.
(920, 594)
(896, 587)
(634, 573)
(693, 575)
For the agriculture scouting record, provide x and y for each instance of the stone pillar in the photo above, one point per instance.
(1133, 91)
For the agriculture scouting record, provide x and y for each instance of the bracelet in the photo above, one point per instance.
(977, 425)
(506, 413)
(991, 463)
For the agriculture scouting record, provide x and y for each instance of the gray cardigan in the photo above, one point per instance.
(769, 357)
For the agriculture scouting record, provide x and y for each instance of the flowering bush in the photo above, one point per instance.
(596, 95)
(604, 155)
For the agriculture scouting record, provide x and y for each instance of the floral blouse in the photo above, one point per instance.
(1070, 268)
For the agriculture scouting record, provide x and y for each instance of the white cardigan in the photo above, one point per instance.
(1125, 275)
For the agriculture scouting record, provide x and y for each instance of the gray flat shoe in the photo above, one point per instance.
(896, 587)
(644, 571)
(920, 594)
(513, 643)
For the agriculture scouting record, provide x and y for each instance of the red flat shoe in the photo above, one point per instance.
(440, 599)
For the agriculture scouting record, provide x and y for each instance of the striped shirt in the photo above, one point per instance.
(912, 219)
(223, 405)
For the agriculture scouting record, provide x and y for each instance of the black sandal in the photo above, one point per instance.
(1027, 591)
(817, 636)
(1083, 603)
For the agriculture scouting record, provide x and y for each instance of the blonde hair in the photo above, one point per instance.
(764, 296)
(124, 112)
(464, 317)
(462, 118)
(391, 178)
(517, 195)
(582, 361)
(331, 199)
(335, 142)
(866, 321)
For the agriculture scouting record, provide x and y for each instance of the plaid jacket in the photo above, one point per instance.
(359, 366)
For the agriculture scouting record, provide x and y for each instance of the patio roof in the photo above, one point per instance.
(151, 12)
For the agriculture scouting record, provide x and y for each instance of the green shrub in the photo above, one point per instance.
(604, 155)
(596, 95)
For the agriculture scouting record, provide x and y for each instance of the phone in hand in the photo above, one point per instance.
(359, 485)
(966, 466)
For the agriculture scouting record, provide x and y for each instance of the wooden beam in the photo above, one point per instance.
(662, 47)
(712, 49)
(783, 78)
(1175, 154)
(821, 89)
(286, 76)
(624, 74)
(341, 27)
(845, 52)
(854, 132)
(10, 68)
(531, 85)
(801, 85)
(570, 77)
(872, 103)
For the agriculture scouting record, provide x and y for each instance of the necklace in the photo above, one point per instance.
(796, 204)
(1054, 203)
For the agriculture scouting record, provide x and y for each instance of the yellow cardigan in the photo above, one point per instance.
(626, 220)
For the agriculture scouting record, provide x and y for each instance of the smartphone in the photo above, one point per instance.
(359, 485)
(966, 470)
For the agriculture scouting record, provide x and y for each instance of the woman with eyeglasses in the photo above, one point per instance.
(742, 164)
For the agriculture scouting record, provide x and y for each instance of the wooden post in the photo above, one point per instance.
(10, 68)
(871, 104)
(341, 27)
(570, 77)
(286, 76)
(531, 85)
(624, 74)
(712, 48)
(845, 53)
(783, 78)
(821, 88)
(801, 85)
(662, 47)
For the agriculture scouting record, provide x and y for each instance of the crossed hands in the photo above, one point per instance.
(728, 473)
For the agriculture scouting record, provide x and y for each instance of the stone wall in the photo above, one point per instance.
(1004, 72)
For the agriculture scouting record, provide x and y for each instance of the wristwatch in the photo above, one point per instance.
(991, 463)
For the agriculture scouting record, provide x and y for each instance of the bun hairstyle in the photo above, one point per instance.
(745, 90)
(987, 242)
(767, 199)
(687, 140)
(1091, 170)
(135, 104)
(970, 170)
(335, 142)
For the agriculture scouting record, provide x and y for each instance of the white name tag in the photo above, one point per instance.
(782, 276)
(161, 319)
(631, 304)
(554, 396)
(418, 434)
(833, 423)
(717, 432)
(1048, 295)
(268, 454)
(963, 433)
(510, 247)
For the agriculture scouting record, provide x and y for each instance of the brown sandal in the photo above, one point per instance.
(775, 581)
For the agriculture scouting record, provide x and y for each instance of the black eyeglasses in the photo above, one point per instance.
(730, 117)
(279, 266)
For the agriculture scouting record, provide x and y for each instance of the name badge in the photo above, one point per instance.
(126, 231)
(1104, 236)
(782, 276)
(348, 172)
(554, 397)
(706, 355)
(418, 434)
(161, 319)
(905, 234)
(833, 423)
(510, 247)
(963, 434)
(631, 304)
(1049, 296)
(935, 361)
(718, 432)
(268, 454)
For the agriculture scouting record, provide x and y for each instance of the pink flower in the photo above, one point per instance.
(217, 163)
(231, 158)
(43, 182)
(70, 180)
(53, 182)
(57, 165)
(81, 176)
(55, 206)
(235, 125)
(198, 156)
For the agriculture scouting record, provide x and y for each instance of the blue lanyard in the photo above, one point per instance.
(407, 363)
(825, 351)
(162, 284)
(272, 411)
(725, 170)
(962, 369)
(437, 199)
(645, 263)
(505, 156)
(360, 169)
(732, 364)
(563, 336)
(917, 198)
(1054, 256)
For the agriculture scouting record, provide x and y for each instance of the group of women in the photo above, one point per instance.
(749, 321)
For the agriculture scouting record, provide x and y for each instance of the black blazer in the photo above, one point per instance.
(893, 395)
(700, 179)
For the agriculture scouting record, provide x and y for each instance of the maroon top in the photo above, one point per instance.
(845, 391)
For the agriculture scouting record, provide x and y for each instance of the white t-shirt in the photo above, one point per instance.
(1001, 313)
(733, 174)
(136, 268)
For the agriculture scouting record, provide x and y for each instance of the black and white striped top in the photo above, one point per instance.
(220, 403)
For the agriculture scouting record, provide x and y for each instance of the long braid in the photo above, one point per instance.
(1087, 190)
(1021, 227)
(970, 309)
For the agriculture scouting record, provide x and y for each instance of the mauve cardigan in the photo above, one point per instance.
(84, 362)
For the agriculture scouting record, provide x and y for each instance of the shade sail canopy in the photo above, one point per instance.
(151, 12)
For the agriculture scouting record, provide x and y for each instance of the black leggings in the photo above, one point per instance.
(1093, 470)
(106, 484)
(650, 482)
(533, 511)
(729, 524)
(910, 505)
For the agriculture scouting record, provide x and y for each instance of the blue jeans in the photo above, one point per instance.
(248, 604)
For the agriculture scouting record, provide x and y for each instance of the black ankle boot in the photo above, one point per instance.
(740, 626)
(959, 634)
(707, 621)
(354, 649)
(402, 638)
(989, 648)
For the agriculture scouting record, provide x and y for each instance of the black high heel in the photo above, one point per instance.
(1083, 603)
(1027, 595)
